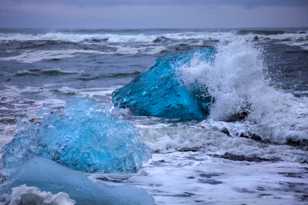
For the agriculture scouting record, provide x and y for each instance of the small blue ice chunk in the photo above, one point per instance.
(52, 177)
(83, 137)
(160, 92)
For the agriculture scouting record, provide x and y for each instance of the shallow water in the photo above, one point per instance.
(260, 160)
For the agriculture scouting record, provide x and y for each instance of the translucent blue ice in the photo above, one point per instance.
(160, 92)
(83, 137)
(52, 177)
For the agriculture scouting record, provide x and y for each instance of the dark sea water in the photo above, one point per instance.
(260, 160)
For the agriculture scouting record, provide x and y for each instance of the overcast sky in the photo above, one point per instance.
(153, 13)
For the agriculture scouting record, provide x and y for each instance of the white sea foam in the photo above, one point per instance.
(237, 81)
(32, 56)
(56, 36)
(291, 39)
(302, 44)
(115, 37)
(286, 36)
(31, 195)
(78, 37)
(202, 35)
(186, 178)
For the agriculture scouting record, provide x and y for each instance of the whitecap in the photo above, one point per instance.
(32, 56)
(238, 82)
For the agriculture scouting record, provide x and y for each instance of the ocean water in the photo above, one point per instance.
(224, 159)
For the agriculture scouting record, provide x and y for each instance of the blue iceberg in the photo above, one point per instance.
(83, 137)
(160, 92)
(52, 177)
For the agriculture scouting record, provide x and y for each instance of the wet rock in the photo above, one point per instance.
(240, 116)
(210, 181)
(161, 39)
(188, 149)
(225, 131)
(301, 143)
(248, 158)
(210, 175)
(254, 136)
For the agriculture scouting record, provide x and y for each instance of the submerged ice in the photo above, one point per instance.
(161, 92)
(52, 179)
(83, 137)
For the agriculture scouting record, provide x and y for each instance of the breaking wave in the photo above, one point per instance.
(237, 79)
(53, 55)
(112, 37)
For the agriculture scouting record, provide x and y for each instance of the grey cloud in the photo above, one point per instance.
(153, 14)
(167, 2)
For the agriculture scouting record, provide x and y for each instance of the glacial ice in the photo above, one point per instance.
(51, 177)
(161, 92)
(83, 137)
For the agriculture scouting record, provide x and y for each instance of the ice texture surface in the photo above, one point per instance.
(160, 91)
(51, 177)
(83, 136)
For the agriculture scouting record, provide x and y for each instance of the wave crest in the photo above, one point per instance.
(238, 83)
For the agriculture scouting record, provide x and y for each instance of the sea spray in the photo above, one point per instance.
(238, 82)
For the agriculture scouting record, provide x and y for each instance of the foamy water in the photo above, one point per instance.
(237, 80)
(106, 43)
(260, 159)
